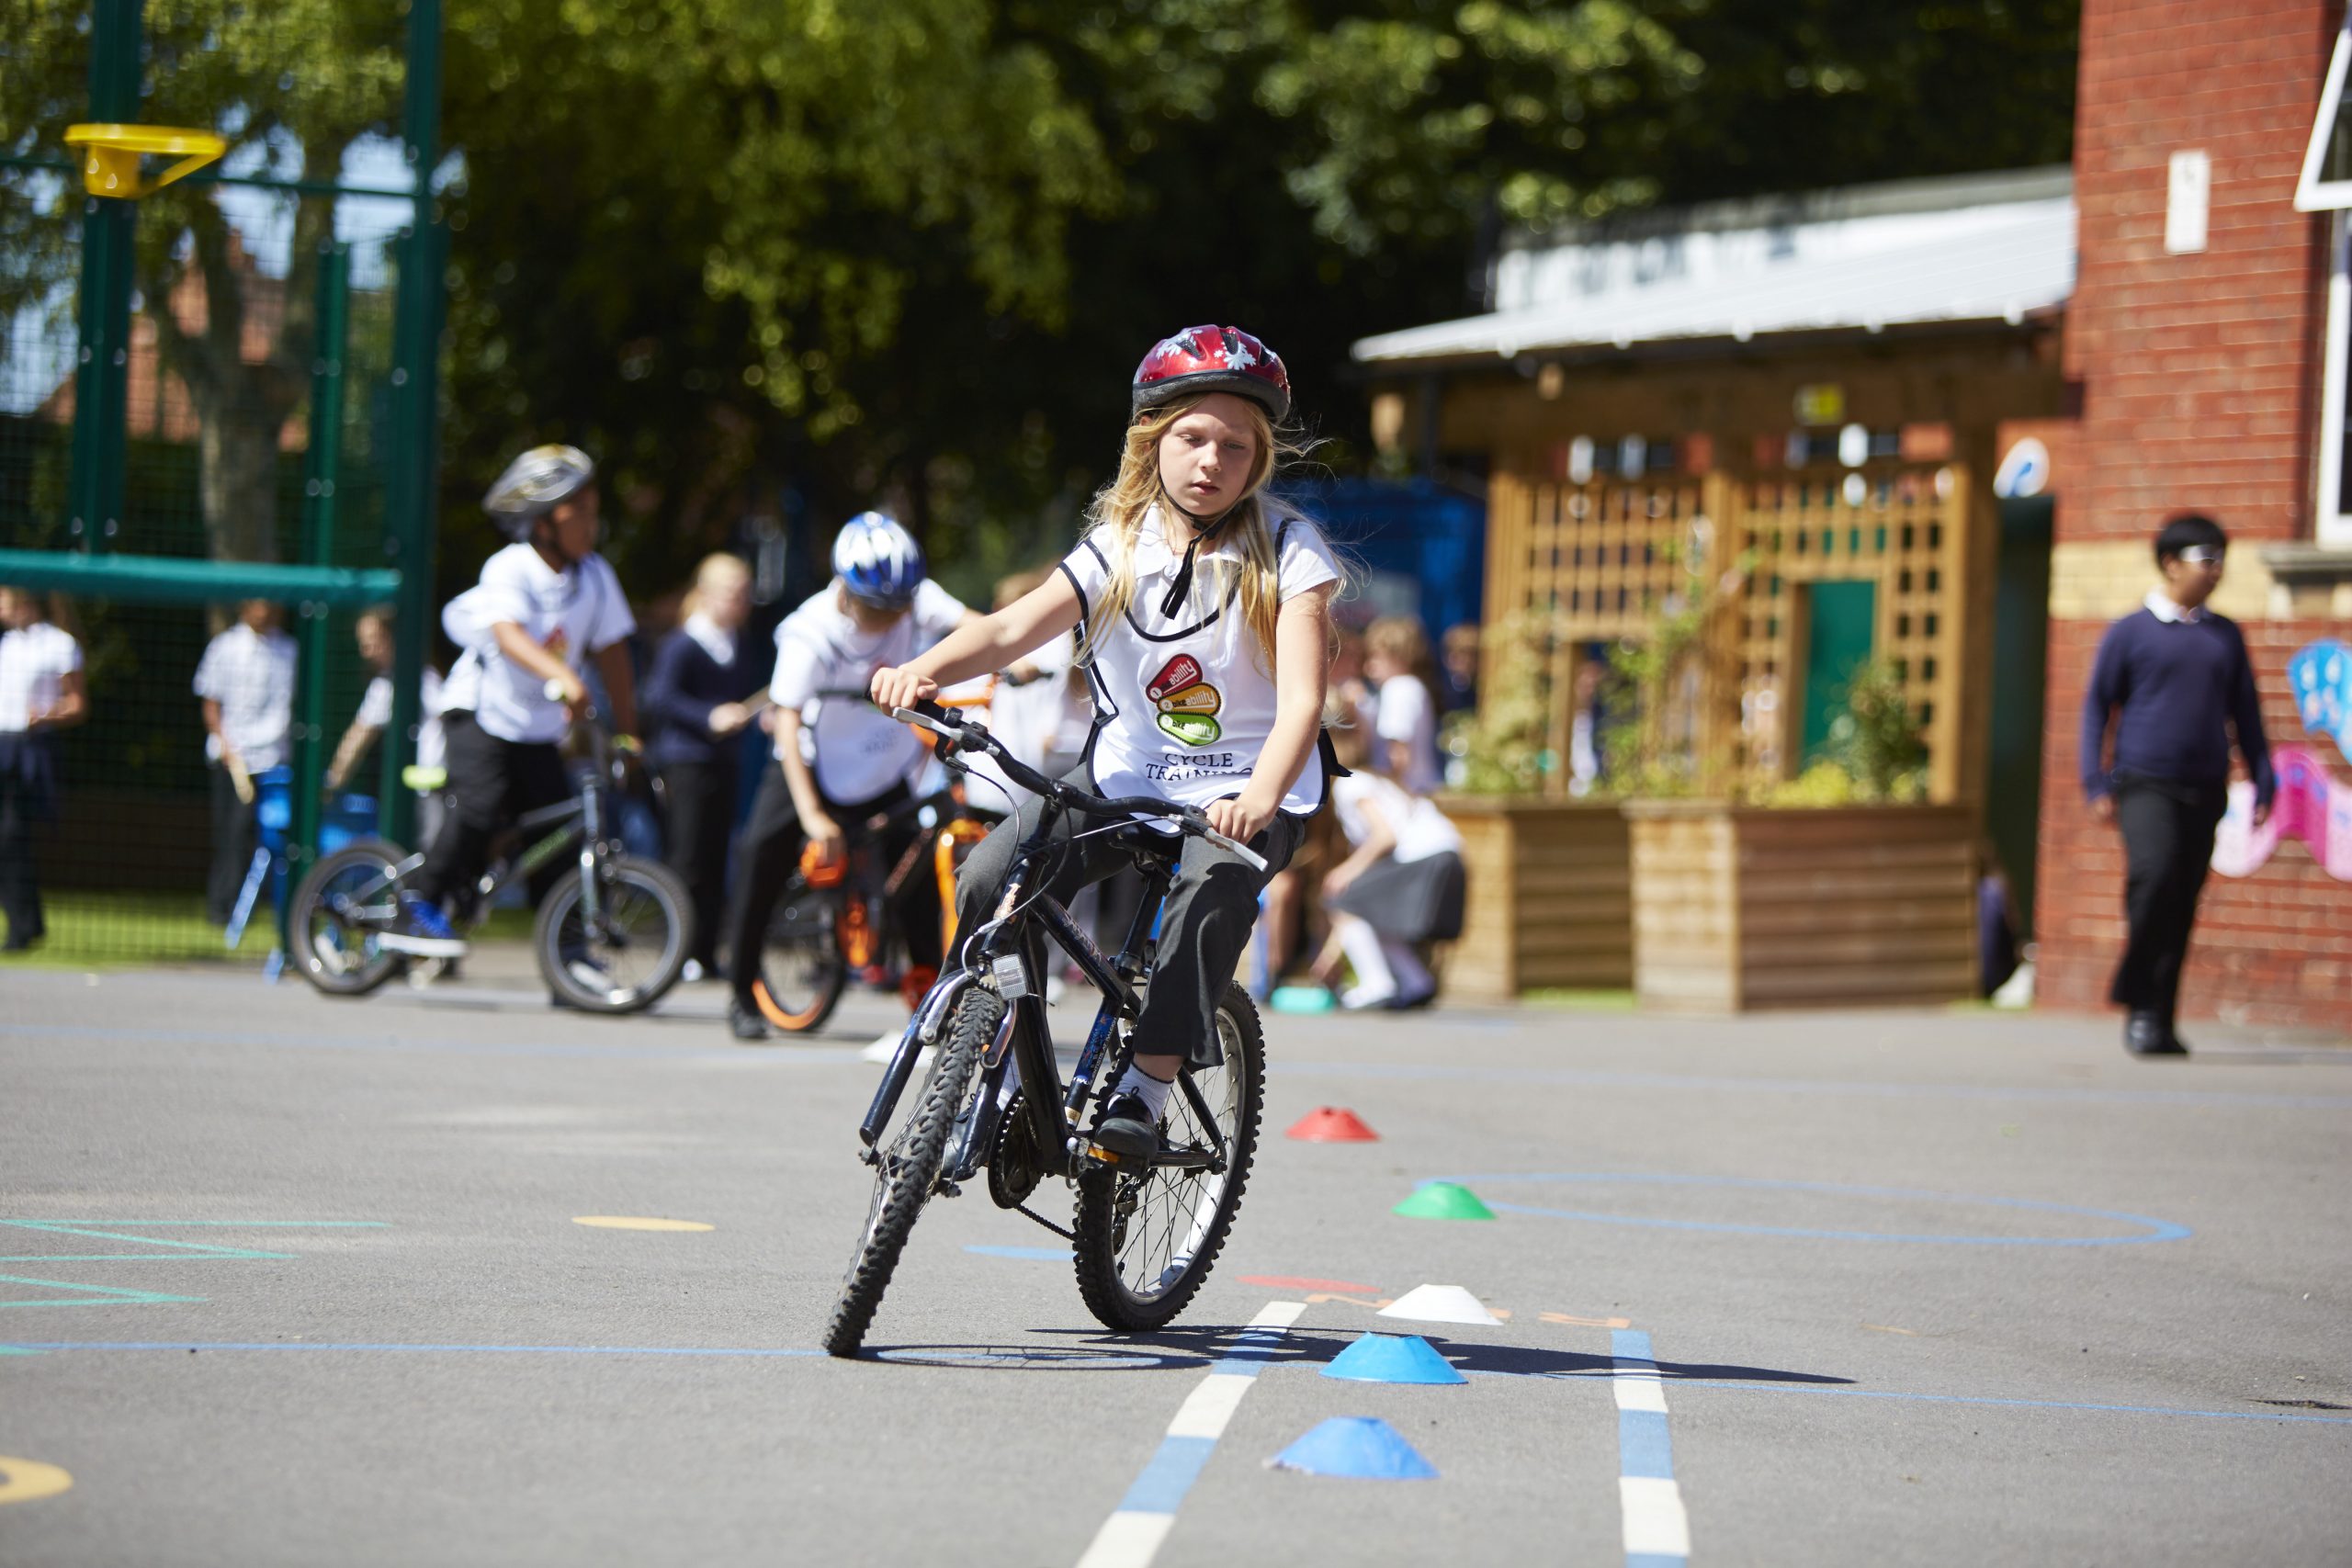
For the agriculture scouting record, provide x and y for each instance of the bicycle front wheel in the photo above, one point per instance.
(1147, 1239)
(631, 951)
(348, 898)
(907, 1168)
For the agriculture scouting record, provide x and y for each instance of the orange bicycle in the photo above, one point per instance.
(838, 921)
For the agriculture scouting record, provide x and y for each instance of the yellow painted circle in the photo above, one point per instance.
(26, 1480)
(629, 1223)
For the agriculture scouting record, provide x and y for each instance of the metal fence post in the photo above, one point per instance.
(102, 373)
(416, 360)
(319, 505)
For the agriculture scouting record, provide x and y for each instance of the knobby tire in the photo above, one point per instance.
(1105, 1235)
(910, 1167)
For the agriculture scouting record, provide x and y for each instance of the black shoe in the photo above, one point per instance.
(2146, 1033)
(1127, 1129)
(743, 1021)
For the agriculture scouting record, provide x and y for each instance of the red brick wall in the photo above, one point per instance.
(2198, 382)
(2196, 370)
(2275, 947)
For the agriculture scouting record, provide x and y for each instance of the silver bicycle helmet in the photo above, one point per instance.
(534, 483)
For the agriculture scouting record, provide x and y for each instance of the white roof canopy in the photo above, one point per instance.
(1973, 249)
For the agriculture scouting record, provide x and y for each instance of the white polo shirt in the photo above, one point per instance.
(573, 614)
(1406, 713)
(1419, 828)
(857, 750)
(34, 662)
(376, 713)
(1187, 702)
(252, 677)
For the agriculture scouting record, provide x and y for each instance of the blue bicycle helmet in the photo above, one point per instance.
(879, 562)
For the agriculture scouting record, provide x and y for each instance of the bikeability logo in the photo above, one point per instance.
(1185, 704)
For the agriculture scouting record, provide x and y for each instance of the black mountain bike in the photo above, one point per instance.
(611, 937)
(1145, 1235)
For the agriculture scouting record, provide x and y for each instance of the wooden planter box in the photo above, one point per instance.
(1550, 902)
(1742, 908)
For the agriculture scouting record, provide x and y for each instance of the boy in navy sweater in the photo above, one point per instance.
(2172, 683)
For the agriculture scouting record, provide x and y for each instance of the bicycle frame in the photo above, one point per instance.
(1024, 1040)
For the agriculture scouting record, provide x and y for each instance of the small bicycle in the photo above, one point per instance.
(1143, 1236)
(611, 937)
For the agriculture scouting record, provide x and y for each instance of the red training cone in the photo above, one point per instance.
(1332, 1124)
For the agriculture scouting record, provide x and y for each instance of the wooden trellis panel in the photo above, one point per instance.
(1607, 559)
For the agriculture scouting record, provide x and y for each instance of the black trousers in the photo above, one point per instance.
(491, 782)
(698, 799)
(1204, 924)
(22, 803)
(2167, 846)
(772, 844)
(235, 835)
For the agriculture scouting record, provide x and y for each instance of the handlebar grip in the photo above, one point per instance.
(1248, 856)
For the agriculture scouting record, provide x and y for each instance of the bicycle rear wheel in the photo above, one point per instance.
(801, 971)
(348, 898)
(631, 952)
(1146, 1240)
(908, 1167)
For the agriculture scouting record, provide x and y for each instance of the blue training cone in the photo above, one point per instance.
(1355, 1445)
(1392, 1357)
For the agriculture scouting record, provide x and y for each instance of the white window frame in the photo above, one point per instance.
(2333, 526)
(2313, 194)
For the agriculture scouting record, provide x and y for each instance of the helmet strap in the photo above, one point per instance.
(1181, 588)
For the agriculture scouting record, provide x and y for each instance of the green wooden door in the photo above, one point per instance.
(1841, 619)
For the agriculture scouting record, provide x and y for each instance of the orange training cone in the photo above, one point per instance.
(1332, 1124)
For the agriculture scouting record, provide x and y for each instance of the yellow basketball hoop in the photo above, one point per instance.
(110, 166)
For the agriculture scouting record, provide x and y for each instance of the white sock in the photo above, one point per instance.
(1366, 957)
(1144, 1086)
(1413, 976)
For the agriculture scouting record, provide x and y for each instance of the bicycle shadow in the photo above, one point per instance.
(1209, 1344)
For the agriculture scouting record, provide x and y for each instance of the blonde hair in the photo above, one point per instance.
(716, 564)
(1116, 521)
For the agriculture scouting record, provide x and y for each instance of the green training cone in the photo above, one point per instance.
(1442, 1201)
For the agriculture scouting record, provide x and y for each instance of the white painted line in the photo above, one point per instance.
(1127, 1541)
(1641, 1393)
(1655, 1524)
(1130, 1538)
(1211, 1405)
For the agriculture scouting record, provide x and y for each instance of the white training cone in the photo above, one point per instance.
(1439, 1303)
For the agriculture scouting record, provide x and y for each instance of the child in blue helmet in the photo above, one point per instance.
(840, 760)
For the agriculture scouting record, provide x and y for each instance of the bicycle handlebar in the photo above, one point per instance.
(964, 735)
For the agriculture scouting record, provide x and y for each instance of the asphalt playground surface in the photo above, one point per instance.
(292, 1280)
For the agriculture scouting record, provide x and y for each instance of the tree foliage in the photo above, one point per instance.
(908, 252)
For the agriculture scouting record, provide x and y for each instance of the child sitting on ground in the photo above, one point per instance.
(1401, 887)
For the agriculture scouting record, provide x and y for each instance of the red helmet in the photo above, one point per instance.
(1212, 359)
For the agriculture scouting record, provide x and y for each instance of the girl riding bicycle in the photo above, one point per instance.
(1207, 643)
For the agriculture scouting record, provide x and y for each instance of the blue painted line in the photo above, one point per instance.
(1035, 1254)
(1592, 1078)
(1646, 1452)
(2155, 1230)
(427, 1045)
(1653, 1560)
(2020, 1404)
(1161, 1488)
(94, 1295)
(1643, 1448)
(229, 1224)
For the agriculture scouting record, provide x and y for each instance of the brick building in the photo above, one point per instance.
(2199, 343)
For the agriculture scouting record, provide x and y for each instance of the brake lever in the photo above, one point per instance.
(1247, 856)
(924, 721)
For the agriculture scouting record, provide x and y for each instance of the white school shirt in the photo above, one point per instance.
(1035, 721)
(376, 713)
(252, 677)
(1405, 713)
(461, 688)
(1186, 705)
(574, 612)
(34, 662)
(857, 750)
(1421, 828)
